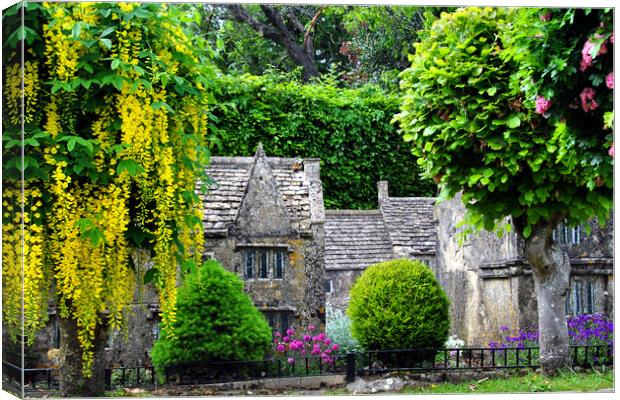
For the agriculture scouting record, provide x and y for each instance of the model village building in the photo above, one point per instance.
(265, 220)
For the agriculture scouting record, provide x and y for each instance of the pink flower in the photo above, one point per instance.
(611, 151)
(542, 105)
(307, 338)
(609, 80)
(586, 58)
(303, 352)
(546, 17)
(587, 99)
(611, 39)
(335, 347)
(277, 334)
(327, 351)
(290, 331)
(291, 360)
(327, 341)
(311, 327)
(286, 339)
(280, 348)
(315, 350)
(321, 336)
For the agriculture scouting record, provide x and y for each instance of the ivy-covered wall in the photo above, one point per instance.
(348, 129)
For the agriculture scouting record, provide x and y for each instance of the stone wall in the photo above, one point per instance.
(490, 284)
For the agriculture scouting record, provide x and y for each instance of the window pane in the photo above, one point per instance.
(577, 307)
(328, 285)
(249, 264)
(263, 264)
(279, 267)
(589, 305)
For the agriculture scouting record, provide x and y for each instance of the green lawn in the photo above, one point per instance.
(531, 382)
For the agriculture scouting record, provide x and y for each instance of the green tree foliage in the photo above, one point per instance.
(399, 304)
(216, 321)
(379, 40)
(469, 110)
(348, 129)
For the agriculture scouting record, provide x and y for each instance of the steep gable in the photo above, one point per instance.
(262, 211)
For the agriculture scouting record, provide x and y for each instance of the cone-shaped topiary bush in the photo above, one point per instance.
(216, 321)
(399, 304)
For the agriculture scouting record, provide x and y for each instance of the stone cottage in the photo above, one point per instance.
(402, 227)
(264, 220)
(490, 283)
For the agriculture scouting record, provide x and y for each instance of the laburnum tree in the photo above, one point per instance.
(514, 108)
(113, 139)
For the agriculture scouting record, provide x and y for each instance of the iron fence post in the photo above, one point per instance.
(350, 367)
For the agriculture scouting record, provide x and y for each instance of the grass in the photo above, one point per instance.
(568, 381)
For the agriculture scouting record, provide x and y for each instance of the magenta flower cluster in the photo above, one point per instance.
(305, 345)
(588, 103)
(586, 329)
(543, 105)
(586, 56)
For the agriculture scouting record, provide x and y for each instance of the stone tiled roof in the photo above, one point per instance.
(410, 223)
(230, 176)
(355, 239)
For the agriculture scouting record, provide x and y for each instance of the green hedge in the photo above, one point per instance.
(348, 129)
(399, 304)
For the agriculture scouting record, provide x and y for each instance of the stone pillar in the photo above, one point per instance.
(314, 301)
(383, 194)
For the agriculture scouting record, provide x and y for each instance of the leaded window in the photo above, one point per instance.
(264, 263)
(581, 297)
(563, 234)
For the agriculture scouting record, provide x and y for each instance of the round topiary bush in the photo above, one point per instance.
(399, 304)
(216, 321)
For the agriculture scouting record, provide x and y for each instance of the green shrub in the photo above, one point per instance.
(216, 321)
(399, 304)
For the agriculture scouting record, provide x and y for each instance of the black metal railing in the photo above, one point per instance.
(481, 358)
(350, 365)
(34, 378)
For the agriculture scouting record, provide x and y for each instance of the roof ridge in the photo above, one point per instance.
(352, 212)
(413, 198)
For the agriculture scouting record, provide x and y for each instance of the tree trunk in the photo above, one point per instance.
(72, 383)
(551, 272)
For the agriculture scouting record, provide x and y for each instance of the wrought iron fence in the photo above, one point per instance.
(350, 365)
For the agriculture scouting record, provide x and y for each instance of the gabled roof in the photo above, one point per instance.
(410, 223)
(355, 239)
(230, 177)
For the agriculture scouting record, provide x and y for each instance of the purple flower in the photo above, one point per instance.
(280, 348)
(290, 331)
(503, 328)
(321, 337)
(291, 360)
(609, 80)
(307, 338)
(286, 339)
(311, 327)
(327, 341)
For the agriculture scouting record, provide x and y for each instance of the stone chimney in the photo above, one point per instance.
(312, 169)
(382, 189)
